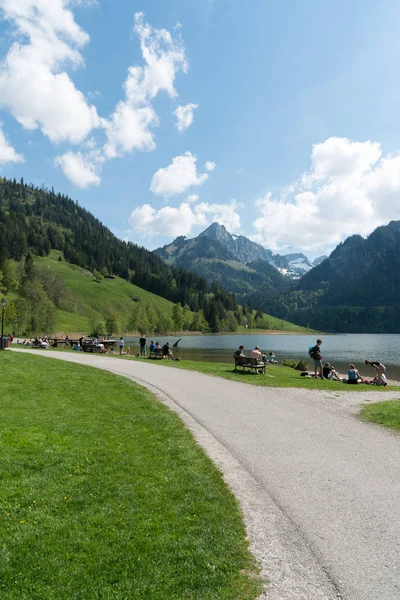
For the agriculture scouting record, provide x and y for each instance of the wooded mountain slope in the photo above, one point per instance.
(356, 289)
(38, 220)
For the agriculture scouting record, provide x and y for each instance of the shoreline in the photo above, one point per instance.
(75, 334)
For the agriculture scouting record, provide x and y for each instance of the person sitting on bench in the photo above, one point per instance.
(239, 352)
(167, 351)
(256, 354)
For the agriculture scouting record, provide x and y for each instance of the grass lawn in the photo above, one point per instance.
(105, 494)
(383, 413)
(276, 376)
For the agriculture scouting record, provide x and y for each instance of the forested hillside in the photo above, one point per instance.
(37, 220)
(356, 289)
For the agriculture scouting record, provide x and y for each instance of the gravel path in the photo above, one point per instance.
(319, 489)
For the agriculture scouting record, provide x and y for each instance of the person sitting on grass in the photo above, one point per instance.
(272, 359)
(158, 349)
(329, 372)
(353, 375)
(167, 351)
(152, 347)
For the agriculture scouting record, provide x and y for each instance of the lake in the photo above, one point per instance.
(339, 350)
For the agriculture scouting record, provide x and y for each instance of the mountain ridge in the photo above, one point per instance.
(218, 243)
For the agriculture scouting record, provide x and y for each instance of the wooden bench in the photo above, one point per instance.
(156, 355)
(249, 363)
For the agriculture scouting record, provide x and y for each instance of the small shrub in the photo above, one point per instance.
(302, 366)
(290, 362)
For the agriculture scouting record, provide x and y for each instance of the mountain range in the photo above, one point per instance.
(355, 289)
(236, 262)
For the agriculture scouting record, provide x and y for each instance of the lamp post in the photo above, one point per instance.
(3, 305)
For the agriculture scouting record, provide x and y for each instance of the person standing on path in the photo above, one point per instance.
(315, 353)
(121, 344)
(142, 345)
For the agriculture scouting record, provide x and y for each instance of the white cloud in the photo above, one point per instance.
(36, 88)
(129, 127)
(184, 115)
(350, 188)
(222, 213)
(210, 166)
(79, 169)
(129, 130)
(7, 152)
(178, 176)
(33, 85)
(181, 220)
(192, 198)
(167, 221)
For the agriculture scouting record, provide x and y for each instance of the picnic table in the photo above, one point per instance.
(252, 364)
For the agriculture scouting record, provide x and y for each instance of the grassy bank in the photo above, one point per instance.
(106, 495)
(276, 375)
(383, 413)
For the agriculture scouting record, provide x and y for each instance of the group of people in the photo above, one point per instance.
(165, 350)
(260, 356)
(36, 342)
(327, 371)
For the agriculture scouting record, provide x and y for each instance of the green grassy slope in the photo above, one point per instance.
(116, 295)
(98, 298)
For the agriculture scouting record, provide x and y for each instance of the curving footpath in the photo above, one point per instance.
(319, 489)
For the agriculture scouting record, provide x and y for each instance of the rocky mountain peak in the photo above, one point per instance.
(217, 231)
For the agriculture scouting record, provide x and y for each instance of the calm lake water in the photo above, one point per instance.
(339, 350)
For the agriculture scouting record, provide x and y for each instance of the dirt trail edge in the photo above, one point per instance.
(320, 490)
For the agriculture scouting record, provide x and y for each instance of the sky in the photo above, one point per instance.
(277, 119)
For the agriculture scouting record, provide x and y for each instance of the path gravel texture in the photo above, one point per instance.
(320, 490)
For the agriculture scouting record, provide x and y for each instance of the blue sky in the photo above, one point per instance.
(289, 111)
